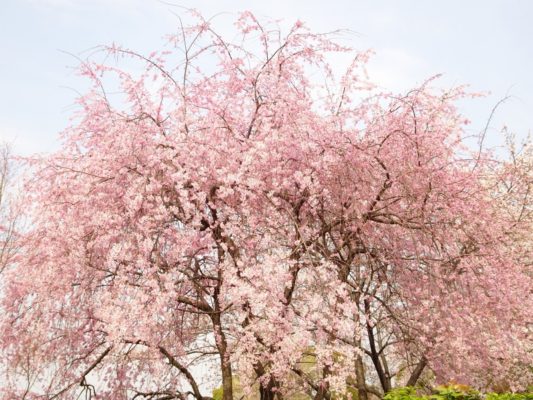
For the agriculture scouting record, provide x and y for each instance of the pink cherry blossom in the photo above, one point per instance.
(231, 214)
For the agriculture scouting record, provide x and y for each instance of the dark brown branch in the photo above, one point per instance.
(82, 380)
(192, 382)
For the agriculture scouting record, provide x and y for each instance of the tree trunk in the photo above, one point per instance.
(227, 380)
(384, 378)
(225, 363)
(266, 392)
(417, 372)
(360, 376)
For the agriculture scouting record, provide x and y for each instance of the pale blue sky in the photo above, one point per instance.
(486, 44)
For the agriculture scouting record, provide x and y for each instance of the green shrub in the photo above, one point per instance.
(509, 396)
(218, 393)
(453, 392)
(402, 393)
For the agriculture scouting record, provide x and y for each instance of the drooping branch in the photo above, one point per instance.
(82, 381)
(190, 379)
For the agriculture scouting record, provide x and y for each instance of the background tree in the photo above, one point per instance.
(8, 214)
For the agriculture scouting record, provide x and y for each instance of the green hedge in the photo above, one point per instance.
(450, 392)
(453, 392)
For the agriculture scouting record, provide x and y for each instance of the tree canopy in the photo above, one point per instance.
(241, 207)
